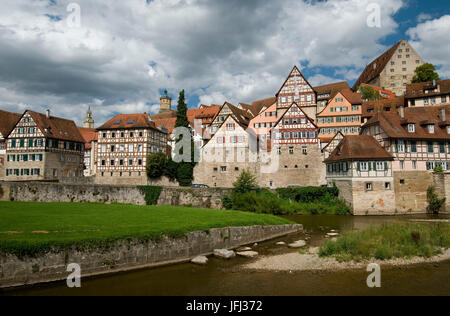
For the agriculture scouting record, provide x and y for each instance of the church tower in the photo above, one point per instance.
(165, 103)
(88, 121)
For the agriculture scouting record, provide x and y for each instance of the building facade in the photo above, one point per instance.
(43, 147)
(342, 114)
(327, 92)
(124, 143)
(7, 122)
(435, 93)
(393, 70)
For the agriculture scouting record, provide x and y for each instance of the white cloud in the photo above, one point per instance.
(126, 51)
(430, 39)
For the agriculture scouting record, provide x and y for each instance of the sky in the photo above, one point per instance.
(118, 56)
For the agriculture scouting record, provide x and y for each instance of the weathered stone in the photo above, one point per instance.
(224, 253)
(201, 260)
(332, 234)
(248, 254)
(244, 249)
(298, 244)
(281, 243)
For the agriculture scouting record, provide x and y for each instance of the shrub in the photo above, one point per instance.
(156, 165)
(171, 170)
(151, 194)
(434, 202)
(185, 174)
(439, 169)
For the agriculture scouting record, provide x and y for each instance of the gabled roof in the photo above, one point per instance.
(257, 106)
(8, 121)
(353, 97)
(332, 89)
(167, 123)
(397, 127)
(89, 135)
(332, 139)
(128, 121)
(426, 89)
(282, 117)
(370, 108)
(375, 68)
(241, 115)
(287, 78)
(358, 147)
(244, 127)
(56, 127)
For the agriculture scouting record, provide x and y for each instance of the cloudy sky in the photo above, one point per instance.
(122, 54)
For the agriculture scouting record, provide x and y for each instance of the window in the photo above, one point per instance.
(442, 148)
(369, 186)
(414, 164)
(140, 162)
(223, 169)
(113, 148)
(291, 150)
(364, 166)
(130, 162)
(431, 129)
(430, 147)
(113, 135)
(305, 150)
(380, 165)
(401, 148)
(387, 185)
(411, 128)
(402, 165)
(413, 146)
(140, 148)
(130, 148)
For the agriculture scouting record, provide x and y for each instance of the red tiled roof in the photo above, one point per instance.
(425, 89)
(332, 89)
(89, 135)
(8, 121)
(355, 147)
(370, 108)
(164, 115)
(167, 123)
(56, 127)
(128, 121)
(257, 106)
(397, 127)
(385, 94)
(375, 68)
(353, 97)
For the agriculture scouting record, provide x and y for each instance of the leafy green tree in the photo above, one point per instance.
(434, 202)
(185, 174)
(245, 183)
(171, 170)
(369, 93)
(425, 73)
(156, 165)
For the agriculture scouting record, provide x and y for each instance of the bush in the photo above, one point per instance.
(435, 204)
(185, 174)
(151, 194)
(309, 194)
(171, 170)
(156, 165)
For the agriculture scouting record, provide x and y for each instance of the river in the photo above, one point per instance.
(227, 278)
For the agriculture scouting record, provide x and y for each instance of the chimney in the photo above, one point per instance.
(47, 114)
(401, 111)
(442, 115)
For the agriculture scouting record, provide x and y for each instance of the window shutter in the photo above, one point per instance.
(370, 166)
(386, 166)
(406, 147)
(396, 146)
(359, 166)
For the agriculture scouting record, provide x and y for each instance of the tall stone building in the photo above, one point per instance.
(44, 147)
(124, 143)
(165, 103)
(393, 70)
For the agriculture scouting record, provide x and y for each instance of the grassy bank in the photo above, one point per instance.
(32, 228)
(390, 241)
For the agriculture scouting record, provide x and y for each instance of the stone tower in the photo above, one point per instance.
(88, 121)
(165, 103)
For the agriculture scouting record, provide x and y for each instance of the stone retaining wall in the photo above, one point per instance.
(94, 193)
(129, 255)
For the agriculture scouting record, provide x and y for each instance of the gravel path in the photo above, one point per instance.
(311, 261)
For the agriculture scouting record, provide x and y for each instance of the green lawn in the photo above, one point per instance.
(32, 228)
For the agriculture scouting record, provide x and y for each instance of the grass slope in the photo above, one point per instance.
(27, 229)
(390, 241)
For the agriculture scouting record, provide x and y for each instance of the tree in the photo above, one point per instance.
(171, 170)
(425, 73)
(434, 202)
(369, 93)
(185, 171)
(156, 165)
(245, 183)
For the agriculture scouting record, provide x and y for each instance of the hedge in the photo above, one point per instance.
(308, 194)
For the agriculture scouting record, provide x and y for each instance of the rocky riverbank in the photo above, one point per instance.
(310, 261)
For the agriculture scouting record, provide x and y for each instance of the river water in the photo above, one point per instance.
(227, 278)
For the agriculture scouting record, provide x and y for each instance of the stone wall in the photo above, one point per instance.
(92, 193)
(411, 191)
(132, 255)
(441, 182)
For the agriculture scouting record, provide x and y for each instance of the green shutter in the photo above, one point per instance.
(359, 166)
(396, 146)
(386, 166)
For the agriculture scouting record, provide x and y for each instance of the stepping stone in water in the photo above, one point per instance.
(201, 260)
(248, 254)
(224, 253)
(244, 249)
(281, 243)
(298, 244)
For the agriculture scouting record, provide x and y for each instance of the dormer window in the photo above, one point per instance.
(411, 128)
(431, 129)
